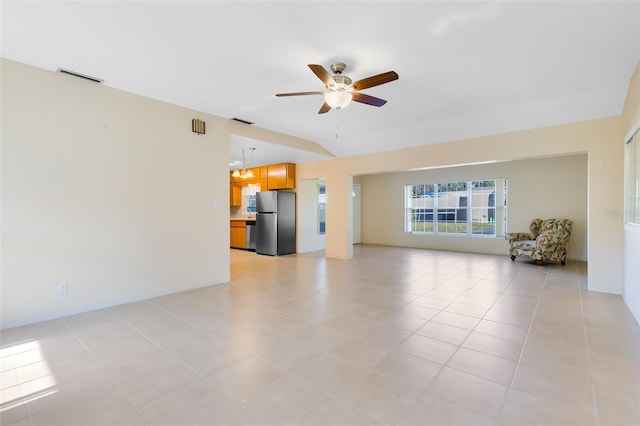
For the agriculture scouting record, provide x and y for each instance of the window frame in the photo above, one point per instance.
(248, 195)
(470, 208)
(632, 180)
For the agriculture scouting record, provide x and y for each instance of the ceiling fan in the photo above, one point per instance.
(340, 91)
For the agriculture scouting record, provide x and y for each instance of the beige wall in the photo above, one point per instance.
(108, 192)
(630, 123)
(599, 139)
(561, 191)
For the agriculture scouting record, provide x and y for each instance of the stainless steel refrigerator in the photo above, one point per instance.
(276, 222)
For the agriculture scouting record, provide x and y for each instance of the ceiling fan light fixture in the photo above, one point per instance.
(338, 99)
(341, 90)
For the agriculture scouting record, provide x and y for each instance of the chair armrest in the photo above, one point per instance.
(518, 236)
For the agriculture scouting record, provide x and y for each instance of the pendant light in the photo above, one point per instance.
(244, 174)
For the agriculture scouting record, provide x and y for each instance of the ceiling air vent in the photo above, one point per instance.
(242, 121)
(77, 74)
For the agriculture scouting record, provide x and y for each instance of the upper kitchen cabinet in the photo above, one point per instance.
(275, 176)
(281, 176)
(235, 195)
(258, 173)
(259, 179)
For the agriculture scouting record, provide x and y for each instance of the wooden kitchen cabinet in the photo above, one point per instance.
(259, 178)
(235, 195)
(258, 174)
(260, 183)
(275, 176)
(238, 234)
(281, 176)
(264, 184)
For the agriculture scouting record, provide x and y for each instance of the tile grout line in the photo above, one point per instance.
(256, 391)
(586, 343)
(548, 284)
(105, 371)
(526, 338)
(461, 345)
(22, 400)
(179, 361)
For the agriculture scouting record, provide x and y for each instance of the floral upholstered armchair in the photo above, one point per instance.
(547, 240)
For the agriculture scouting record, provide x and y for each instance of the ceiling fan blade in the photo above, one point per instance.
(300, 94)
(324, 108)
(367, 99)
(322, 74)
(375, 80)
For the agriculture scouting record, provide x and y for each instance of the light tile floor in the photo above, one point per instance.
(395, 337)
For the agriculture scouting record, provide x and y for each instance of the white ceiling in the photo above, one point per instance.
(466, 68)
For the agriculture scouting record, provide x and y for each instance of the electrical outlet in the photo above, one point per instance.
(217, 263)
(63, 288)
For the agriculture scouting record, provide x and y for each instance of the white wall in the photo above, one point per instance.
(631, 122)
(108, 192)
(544, 188)
(631, 292)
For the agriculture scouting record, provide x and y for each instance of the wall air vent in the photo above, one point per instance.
(241, 120)
(77, 74)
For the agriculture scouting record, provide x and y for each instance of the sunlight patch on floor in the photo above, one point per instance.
(24, 374)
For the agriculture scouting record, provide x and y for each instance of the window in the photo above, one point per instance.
(632, 179)
(474, 208)
(322, 203)
(249, 197)
(483, 207)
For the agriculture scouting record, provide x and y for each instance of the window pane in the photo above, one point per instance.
(452, 207)
(420, 208)
(632, 179)
(249, 197)
(483, 207)
(322, 204)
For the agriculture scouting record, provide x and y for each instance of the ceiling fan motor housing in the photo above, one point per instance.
(342, 82)
(338, 67)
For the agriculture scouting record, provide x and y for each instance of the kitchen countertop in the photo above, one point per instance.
(244, 218)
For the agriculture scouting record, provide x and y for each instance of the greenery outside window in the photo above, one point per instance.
(473, 208)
